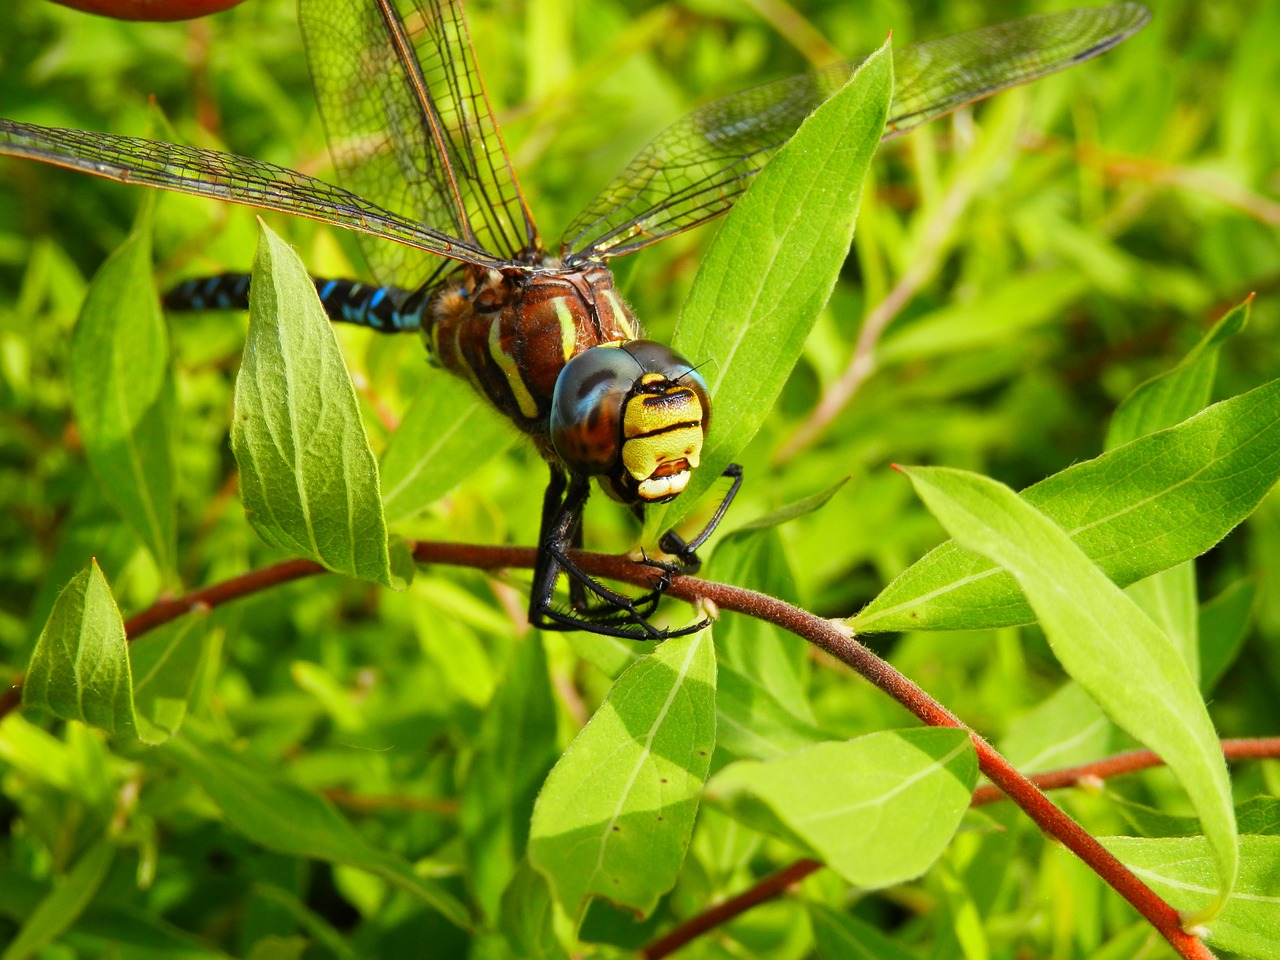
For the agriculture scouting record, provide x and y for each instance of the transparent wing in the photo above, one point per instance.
(696, 168)
(410, 126)
(224, 176)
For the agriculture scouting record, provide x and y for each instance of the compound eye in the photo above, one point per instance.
(586, 408)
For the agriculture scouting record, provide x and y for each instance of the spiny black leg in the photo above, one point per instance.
(577, 592)
(545, 570)
(554, 494)
(617, 615)
(552, 619)
(672, 543)
(612, 614)
(561, 518)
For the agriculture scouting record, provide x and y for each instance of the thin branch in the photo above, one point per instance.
(1119, 166)
(839, 642)
(778, 882)
(831, 637)
(1131, 761)
(774, 885)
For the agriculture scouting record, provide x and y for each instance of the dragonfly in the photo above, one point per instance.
(543, 335)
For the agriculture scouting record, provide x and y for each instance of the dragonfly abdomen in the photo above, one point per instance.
(385, 309)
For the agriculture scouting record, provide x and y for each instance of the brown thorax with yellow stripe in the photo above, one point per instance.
(633, 416)
(510, 334)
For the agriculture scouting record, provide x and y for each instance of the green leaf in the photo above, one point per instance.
(1170, 398)
(80, 667)
(123, 395)
(772, 266)
(1100, 637)
(840, 936)
(1169, 597)
(283, 817)
(1135, 941)
(64, 904)
(752, 723)
(322, 933)
(37, 754)
(272, 947)
(1138, 509)
(793, 511)
(1181, 869)
(308, 478)
(133, 933)
(1068, 728)
(83, 667)
(616, 813)
(609, 655)
(446, 433)
(528, 916)
(1260, 815)
(769, 656)
(164, 665)
(514, 751)
(1022, 302)
(878, 810)
(1223, 627)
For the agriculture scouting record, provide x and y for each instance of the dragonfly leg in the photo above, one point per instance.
(686, 553)
(612, 613)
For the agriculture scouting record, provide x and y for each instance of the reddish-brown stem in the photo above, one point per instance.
(824, 634)
(777, 883)
(1131, 761)
(163, 611)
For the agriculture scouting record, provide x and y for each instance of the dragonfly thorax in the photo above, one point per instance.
(511, 333)
(559, 353)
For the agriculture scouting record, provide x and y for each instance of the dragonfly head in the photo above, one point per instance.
(633, 414)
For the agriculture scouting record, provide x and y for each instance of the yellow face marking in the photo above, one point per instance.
(568, 329)
(661, 429)
(620, 315)
(642, 456)
(648, 412)
(524, 399)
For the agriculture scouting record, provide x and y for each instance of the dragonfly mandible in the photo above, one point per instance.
(544, 336)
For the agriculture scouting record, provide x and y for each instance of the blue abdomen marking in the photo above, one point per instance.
(385, 309)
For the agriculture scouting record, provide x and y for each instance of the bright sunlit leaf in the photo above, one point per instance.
(1103, 640)
(80, 667)
(1139, 509)
(878, 810)
(307, 475)
(771, 268)
(1182, 870)
(615, 816)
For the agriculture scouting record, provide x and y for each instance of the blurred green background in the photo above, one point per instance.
(1059, 245)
